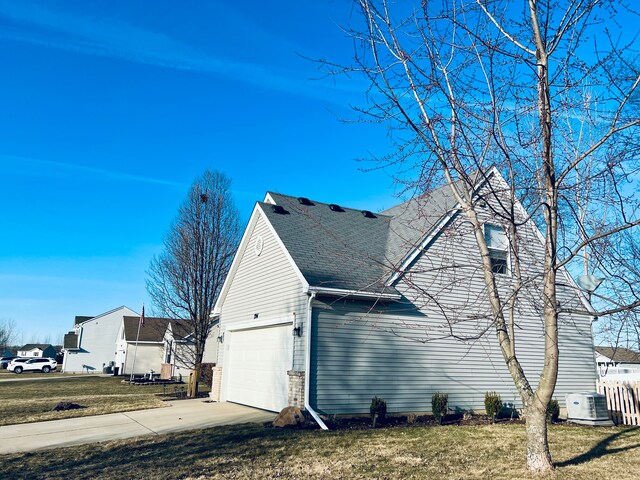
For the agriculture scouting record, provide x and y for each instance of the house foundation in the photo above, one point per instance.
(296, 389)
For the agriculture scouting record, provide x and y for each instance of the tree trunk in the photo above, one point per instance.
(538, 454)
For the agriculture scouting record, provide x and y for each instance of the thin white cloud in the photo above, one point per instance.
(117, 39)
(74, 167)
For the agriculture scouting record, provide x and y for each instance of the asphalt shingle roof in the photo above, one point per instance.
(32, 346)
(619, 354)
(412, 220)
(154, 328)
(81, 319)
(347, 249)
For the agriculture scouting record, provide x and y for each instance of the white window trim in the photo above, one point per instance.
(507, 249)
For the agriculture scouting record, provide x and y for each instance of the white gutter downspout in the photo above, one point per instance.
(307, 364)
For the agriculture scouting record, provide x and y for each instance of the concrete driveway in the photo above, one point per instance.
(180, 415)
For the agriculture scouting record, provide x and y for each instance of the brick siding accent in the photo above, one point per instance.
(296, 389)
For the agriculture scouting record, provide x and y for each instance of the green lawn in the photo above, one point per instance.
(32, 401)
(253, 451)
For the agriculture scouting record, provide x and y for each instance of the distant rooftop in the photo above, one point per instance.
(619, 354)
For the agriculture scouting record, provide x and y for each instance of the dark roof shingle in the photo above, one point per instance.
(33, 346)
(333, 249)
(81, 319)
(619, 354)
(350, 249)
(154, 328)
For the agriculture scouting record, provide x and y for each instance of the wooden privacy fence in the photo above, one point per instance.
(623, 400)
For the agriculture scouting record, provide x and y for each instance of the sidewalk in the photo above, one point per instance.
(180, 415)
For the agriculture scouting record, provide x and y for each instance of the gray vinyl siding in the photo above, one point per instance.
(360, 350)
(267, 285)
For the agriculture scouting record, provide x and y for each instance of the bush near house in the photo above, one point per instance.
(378, 410)
(439, 405)
(492, 405)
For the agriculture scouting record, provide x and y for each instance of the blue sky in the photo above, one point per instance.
(111, 109)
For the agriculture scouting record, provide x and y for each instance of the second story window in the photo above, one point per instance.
(498, 245)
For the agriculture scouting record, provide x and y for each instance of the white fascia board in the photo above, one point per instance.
(339, 292)
(269, 199)
(108, 313)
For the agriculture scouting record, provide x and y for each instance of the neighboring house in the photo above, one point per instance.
(91, 345)
(160, 343)
(617, 362)
(325, 307)
(37, 350)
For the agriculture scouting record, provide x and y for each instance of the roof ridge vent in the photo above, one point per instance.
(305, 201)
(335, 207)
(368, 214)
(278, 209)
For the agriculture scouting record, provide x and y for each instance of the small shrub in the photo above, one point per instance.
(553, 411)
(492, 405)
(439, 403)
(378, 410)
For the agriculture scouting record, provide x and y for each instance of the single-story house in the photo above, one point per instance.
(616, 361)
(91, 345)
(37, 350)
(326, 306)
(161, 345)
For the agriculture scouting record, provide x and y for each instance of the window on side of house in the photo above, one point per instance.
(168, 350)
(498, 245)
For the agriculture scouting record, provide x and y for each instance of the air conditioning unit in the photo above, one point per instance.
(588, 408)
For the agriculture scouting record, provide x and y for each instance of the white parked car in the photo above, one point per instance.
(44, 365)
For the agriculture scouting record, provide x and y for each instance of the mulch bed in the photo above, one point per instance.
(364, 423)
(400, 421)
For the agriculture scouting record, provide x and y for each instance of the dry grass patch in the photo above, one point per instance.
(32, 401)
(38, 410)
(7, 375)
(252, 451)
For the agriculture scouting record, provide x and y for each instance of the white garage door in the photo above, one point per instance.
(257, 365)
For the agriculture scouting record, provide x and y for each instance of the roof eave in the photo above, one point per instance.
(341, 292)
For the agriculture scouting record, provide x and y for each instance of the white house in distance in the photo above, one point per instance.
(618, 363)
(92, 344)
(161, 342)
(109, 340)
(326, 306)
(37, 350)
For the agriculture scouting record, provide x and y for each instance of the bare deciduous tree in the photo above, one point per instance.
(7, 334)
(184, 281)
(544, 91)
